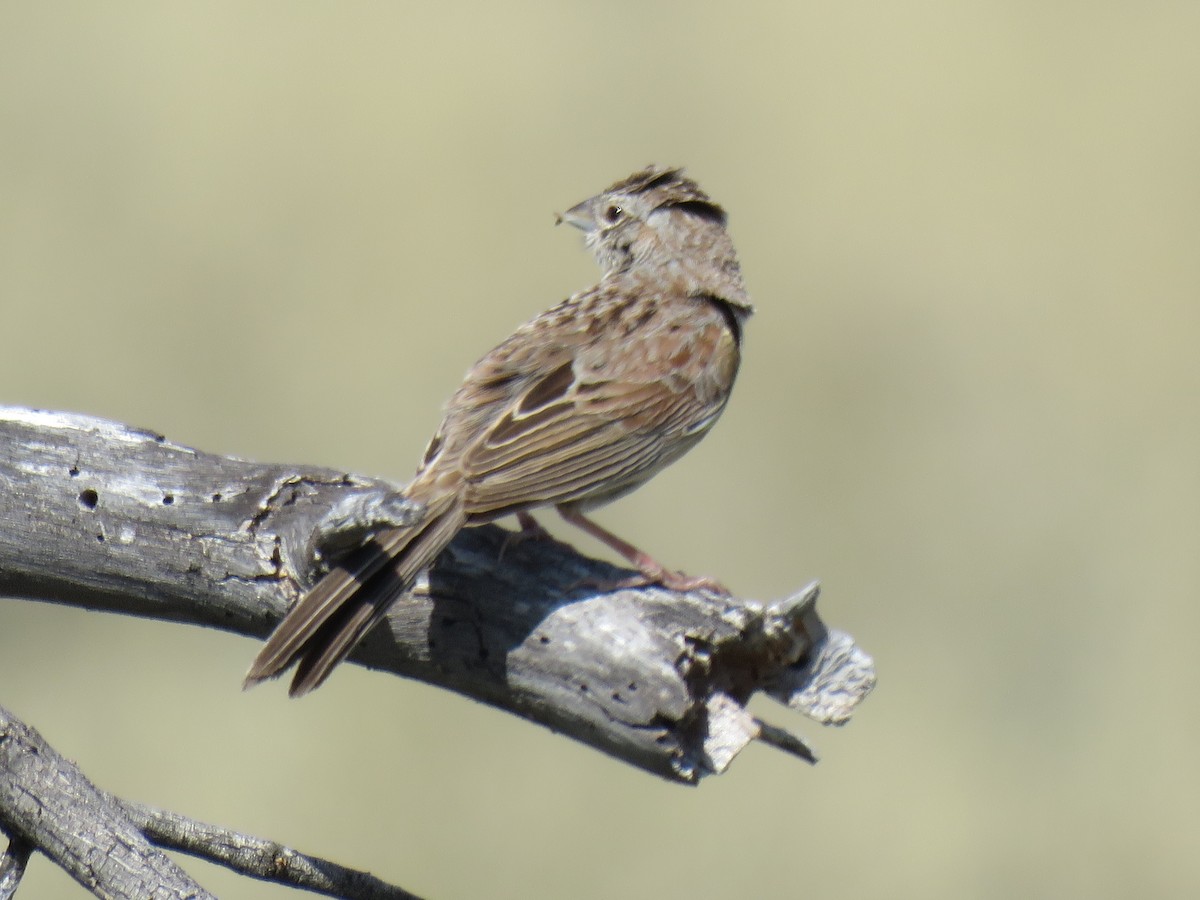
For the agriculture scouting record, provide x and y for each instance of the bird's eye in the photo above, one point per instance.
(613, 214)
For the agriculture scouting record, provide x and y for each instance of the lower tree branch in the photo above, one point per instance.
(45, 802)
(12, 865)
(105, 843)
(255, 857)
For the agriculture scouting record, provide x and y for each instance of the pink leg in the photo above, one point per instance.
(530, 530)
(653, 572)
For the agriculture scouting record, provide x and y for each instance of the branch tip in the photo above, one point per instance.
(784, 740)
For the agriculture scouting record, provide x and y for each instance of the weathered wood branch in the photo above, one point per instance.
(103, 516)
(12, 865)
(110, 845)
(44, 802)
(257, 858)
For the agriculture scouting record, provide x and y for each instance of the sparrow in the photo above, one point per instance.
(579, 406)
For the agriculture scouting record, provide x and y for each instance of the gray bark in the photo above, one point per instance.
(43, 804)
(103, 516)
(110, 845)
(12, 866)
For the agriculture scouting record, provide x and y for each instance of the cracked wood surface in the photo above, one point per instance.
(103, 516)
(111, 846)
(42, 805)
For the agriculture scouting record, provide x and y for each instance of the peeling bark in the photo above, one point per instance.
(103, 516)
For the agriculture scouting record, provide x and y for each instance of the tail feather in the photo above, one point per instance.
(316, 608)
(329, 621)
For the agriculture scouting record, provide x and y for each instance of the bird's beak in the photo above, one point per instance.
(580, 216)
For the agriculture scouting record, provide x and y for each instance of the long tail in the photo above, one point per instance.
(320, 630)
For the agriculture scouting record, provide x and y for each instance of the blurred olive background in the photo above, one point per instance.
(969, 405)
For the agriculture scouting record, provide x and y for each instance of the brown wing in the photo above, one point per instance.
(594, 408)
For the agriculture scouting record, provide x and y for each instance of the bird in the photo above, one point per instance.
(579, 406)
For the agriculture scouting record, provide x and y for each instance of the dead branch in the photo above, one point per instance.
(110, 845)
(103, 516)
